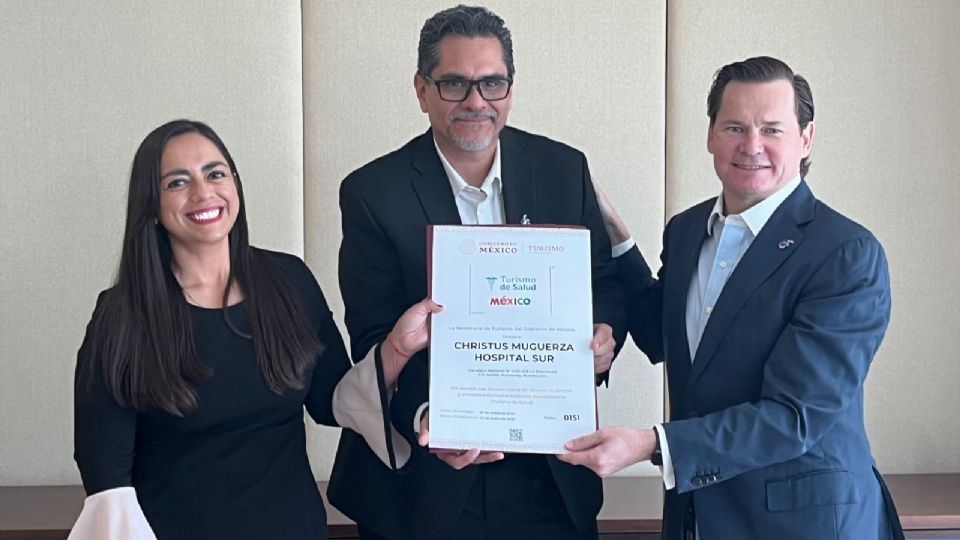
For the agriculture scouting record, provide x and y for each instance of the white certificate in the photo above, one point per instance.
(510, 362)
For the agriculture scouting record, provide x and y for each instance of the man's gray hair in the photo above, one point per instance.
(466, 21)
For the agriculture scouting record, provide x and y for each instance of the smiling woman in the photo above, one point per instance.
(199, 203)
(198, 199)
(197, 365)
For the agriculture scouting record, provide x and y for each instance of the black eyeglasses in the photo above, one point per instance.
(490, 88)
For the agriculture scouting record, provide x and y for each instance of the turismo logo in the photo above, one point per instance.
(544, 248)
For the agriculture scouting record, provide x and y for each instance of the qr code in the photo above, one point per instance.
(516, 435)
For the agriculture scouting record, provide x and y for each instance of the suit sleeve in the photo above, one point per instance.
(644, 303)
(813, 374)
(371, 278)
(371, 282)
(608, 298)
(644, 298)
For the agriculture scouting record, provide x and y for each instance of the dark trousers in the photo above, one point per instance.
(689, 522)
(367, 534)
(516, 499)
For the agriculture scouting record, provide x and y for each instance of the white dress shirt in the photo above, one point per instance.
(477, 206)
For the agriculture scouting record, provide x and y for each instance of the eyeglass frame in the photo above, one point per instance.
(472, 83)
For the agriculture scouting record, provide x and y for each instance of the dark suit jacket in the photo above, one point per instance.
(386, 208)
(766, 426)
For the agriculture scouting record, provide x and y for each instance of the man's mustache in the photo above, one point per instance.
(478, 115)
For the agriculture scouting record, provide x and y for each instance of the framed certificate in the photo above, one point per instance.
(510, 362)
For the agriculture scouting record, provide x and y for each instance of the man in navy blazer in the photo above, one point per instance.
(468, 168)
(768, 310)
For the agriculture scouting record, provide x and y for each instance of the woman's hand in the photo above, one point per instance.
(409, 335)
(616, 228)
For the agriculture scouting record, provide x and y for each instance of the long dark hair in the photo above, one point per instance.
(143, 345)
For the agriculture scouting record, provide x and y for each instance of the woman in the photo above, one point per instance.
(198, 362)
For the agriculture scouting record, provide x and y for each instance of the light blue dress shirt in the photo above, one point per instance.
(728, 238)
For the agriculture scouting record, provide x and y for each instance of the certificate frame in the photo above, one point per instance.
(511, 367)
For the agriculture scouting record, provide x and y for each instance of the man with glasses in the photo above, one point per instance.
(468, 168)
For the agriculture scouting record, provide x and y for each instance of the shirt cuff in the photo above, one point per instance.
(416, 417)
(114, 514)
(669, 479)
(357, 406)
(622, 247)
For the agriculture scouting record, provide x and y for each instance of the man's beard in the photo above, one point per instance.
(471, 144)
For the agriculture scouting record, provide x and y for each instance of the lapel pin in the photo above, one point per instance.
(524, 220)
(784, 244)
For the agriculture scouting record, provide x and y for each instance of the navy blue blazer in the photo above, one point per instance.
(766, 429)
(386, 207)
